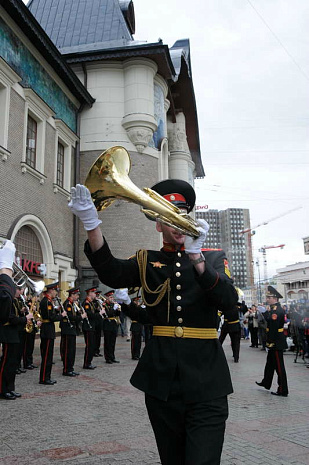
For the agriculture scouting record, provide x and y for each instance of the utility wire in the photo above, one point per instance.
(279, 41)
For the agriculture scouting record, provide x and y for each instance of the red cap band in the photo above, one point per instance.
(175, 197)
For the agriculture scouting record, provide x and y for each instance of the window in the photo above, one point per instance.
(31, 143)
(60, 165)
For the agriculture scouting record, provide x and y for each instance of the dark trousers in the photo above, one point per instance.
(28, 349)
(254, 336)
(68, 352)
(188, 434)
(8, 366)
(89, 349)
(274, 363)
(147, 332)
(235, 341)
(136, 343)
(22, 338)
(110, 344)
(47, 352)
(97, 339)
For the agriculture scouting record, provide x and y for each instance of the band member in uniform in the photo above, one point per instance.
(47, 333)
(98, 305)
(136, 331)
(275, 343)
(89, 328)
(9, 321)
(183, 370)
(68, 331)
(20, 310)
(231, 326)
(110, 327)
(29, 342)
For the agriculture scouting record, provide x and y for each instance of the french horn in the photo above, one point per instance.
(108, 180)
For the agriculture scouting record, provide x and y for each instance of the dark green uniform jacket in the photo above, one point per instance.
(193, 302)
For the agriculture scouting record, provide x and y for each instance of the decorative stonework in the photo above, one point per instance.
(177, 137)
(140, 129)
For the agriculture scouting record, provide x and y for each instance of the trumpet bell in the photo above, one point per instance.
(108, 180)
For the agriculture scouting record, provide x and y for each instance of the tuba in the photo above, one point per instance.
(108, 180)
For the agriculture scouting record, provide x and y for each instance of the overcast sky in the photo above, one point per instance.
(250, 65)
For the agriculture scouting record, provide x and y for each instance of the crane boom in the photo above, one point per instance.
(271, 219)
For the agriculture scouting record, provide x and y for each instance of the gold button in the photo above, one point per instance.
(178, 331)
(178, 264)
(180, 320)
(179, 308)
(178, 297)
(178, 286)
(179, 254)
(178, 274)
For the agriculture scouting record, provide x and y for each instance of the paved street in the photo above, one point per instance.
(99, 418)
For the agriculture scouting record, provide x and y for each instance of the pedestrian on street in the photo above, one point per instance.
(183, 370)
(276, 344)
(253, 325)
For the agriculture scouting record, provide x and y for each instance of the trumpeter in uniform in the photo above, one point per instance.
(183, 370)
(68, 332)
(88, 327)
(47, 332)
(275, 343)
(110, 326)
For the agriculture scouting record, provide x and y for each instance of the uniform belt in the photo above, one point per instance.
(112, 318)
(232, 322)
(182, 331)
(45, 321)
(6, 324)
(280, 330)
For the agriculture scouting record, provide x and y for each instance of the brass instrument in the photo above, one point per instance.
(108, 180)
(81, 308)
(30, 324)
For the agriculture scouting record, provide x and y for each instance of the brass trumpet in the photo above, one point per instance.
(108, 180)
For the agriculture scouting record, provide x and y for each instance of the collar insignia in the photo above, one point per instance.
(157, 264)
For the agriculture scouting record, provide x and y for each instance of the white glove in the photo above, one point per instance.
(194, 245)
(7, 255)
(122, 296)
(81, 205)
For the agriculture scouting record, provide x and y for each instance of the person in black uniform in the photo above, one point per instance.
(136, 331)
(9, 323)
(98, 307)
(231, 326)
(89, 327)
(47, 333)
(29, 343)
(68, 331)
(20, 310)
(275, 343)
(110, 327)
(183, 370)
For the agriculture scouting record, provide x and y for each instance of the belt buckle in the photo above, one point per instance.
(179, 331)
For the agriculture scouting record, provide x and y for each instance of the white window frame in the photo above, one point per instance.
(68, 139)
(8, 78)
(40, 112)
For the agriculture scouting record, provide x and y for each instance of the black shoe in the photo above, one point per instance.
(33, 366)
(262, 385)
(22, 370)
(29, 367)
(135, 358)
(236, 360)
(15, 394)
(8, 396)
(96, 355)
(18, 371)
(75, 373)
(279, 394)
(109, 362)
(89, 367)
(69, 373)
(115, 361)
(48, 382)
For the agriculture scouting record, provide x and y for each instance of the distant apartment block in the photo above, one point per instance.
(224, 233)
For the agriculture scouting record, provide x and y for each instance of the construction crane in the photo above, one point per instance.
(251, 230)
(263, 250)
